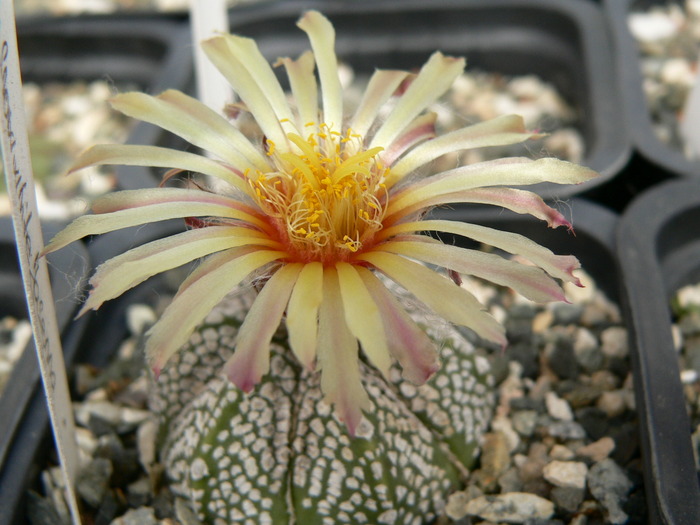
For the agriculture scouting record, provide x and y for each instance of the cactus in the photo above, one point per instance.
(280, 455)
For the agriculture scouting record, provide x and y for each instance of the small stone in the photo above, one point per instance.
(614, 342)
(140, 516)
(558, 408)
(524, 422)
(124, 460)
(41, 511)
(569, 474)
(567, 313)
(510, 481)
(561, 359)
(146, 443)
(566, 430)
(598, 450)
(604, 380)
(103, 410)
(582, 395)
(531, 466)
(689, 295)
(651, 26)
(495, 456)
(513, 507)
(587, 351)
(139, 317)
(505, 426)
(609, 485)
(184, 514)
(139, 493)
(561, 452)
(93, 481)
(689, 324)
(567, 498)
(612, 403)
(542, 321)
(456, 507)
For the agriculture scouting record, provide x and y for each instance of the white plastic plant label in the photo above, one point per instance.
(690, 127)
(20, 186)
(207, 19)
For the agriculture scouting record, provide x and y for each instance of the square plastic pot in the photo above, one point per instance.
(140, 51)
(659, 251)
(22, 403)
(636, 113)
(152, 53)
(564, 43)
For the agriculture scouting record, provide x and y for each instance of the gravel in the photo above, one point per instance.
(668, 37)
(551, 453)
(686, 306)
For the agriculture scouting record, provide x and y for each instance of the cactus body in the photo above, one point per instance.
(279, 455)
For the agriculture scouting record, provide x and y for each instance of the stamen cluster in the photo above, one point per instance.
(327, 198)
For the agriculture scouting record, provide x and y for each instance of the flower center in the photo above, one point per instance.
(327, 198)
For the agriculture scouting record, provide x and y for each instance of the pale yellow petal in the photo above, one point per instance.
(381, 86)
(558, 266)
(337, 356)
(515, 171)
(227, 132)
(529, 281)
(501, 131)
(302, 313)
(182, 123)
(363, 317)
(420, 129)
(450, 301)
(435, 77)
(135, 207)
(250, 57)
(245, 84)
(322, 37)
(115, 276)
(408, 343)
(210, 284)
(251, 358)
(304, 89)
(157, 157)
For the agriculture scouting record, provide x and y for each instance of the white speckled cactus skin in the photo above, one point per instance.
(279, 455)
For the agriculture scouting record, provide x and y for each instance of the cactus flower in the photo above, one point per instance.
(317, 207)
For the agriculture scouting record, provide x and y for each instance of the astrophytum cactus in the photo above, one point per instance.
(307, 402)
(279, 454)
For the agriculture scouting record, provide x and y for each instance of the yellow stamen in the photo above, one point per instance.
(328, 198)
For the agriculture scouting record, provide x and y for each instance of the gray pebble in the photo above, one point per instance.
(558, 408)
(93, 481)
(614, 342)
(567, 498)
(587, 351)
(524, 422)
(568, 474)
(41, 511)
(514, 507)
(609, 485)
(561, 359)
(184, 513)
(140, 516)
(140, 492)
(510, 481)
(565, 313)
(566, 430)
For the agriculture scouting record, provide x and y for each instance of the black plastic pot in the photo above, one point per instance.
(142, 51)
(154, 54)
(667, 160)
(22, 403)
(564, 43)
(659, 251)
